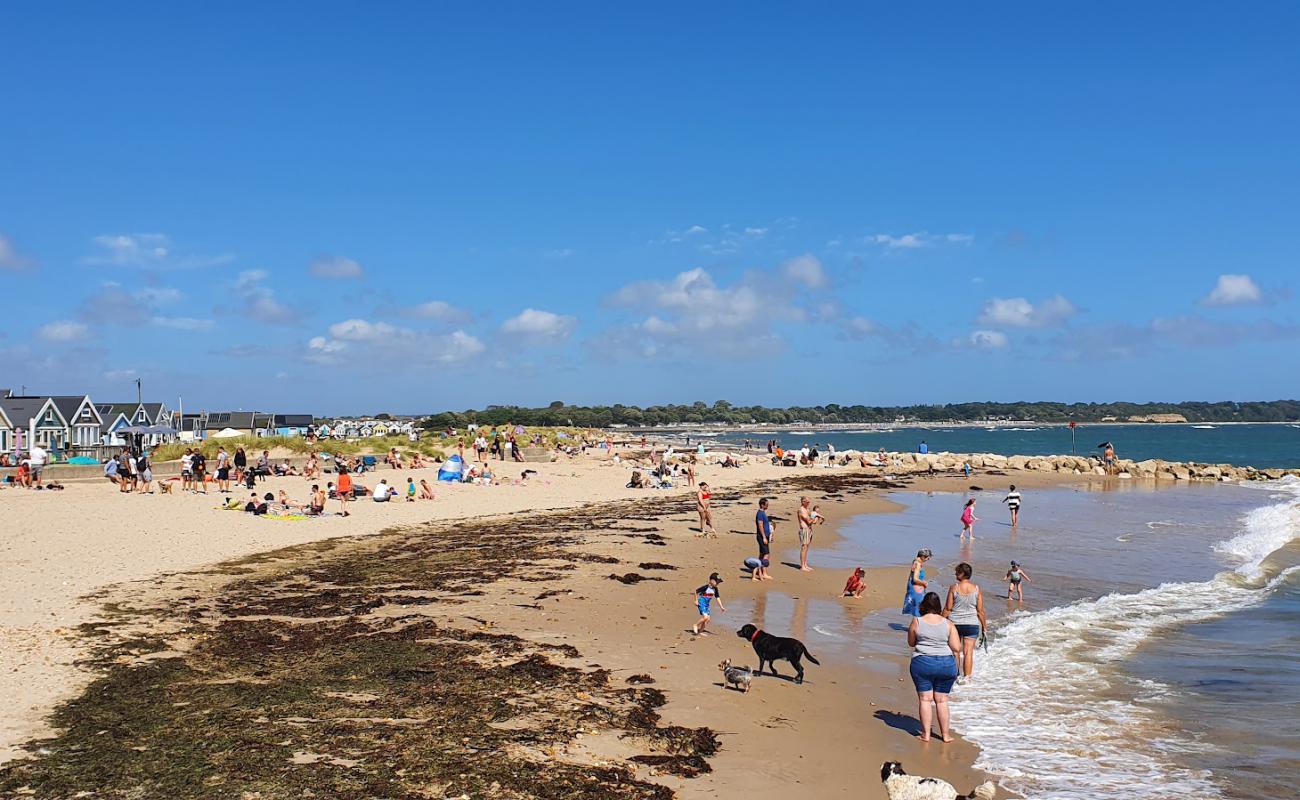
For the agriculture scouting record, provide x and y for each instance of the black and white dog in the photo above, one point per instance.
(902, 786)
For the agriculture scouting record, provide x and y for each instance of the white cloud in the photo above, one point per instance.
(692, 311)
(537, 325)
(385, 344)
(115, 375)
(183, 323)
(437, 309)
(907, 241)
(695, 229)
(1017, 312)
(988, 340)
(806, 270)
(63, 330)
(9, 256)
(259, 299)
(1233, 290)
(755, 231)
(148, 250)
(911, 241)
(335, 267)
(860, 328)
(138, 249)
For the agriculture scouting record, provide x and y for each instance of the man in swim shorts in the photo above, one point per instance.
(805, 532)
(763, 534)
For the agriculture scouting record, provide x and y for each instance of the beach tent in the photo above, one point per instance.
(452, 469)
(226, 433)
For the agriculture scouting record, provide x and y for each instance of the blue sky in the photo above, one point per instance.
(340, 207)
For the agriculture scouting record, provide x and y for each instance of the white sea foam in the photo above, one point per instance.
(1056, 720)
(825, 632)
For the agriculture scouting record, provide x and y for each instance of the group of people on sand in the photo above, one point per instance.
(130, 472)
(943, 633)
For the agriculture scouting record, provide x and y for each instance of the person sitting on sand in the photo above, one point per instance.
(312, 468)
(383, 492)
(284, 500)
(317, 504)
(855, 585)
(255, 506)
(426, 491)
(637, 481)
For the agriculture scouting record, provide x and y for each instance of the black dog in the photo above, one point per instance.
(771, 649)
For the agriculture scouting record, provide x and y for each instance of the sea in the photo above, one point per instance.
(1154, 655)
(1257, 445)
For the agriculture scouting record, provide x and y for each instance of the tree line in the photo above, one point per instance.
(558, 413)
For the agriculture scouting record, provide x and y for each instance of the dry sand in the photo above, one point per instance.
(60, 549)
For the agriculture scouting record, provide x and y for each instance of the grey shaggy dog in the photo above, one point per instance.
(902, 786)
(740, 677)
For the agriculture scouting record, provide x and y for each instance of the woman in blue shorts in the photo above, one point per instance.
(965, 608)
(935, 646)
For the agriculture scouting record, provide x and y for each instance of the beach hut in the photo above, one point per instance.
(379, 429)
(325, 431)
(6, 432)
(83, 421)
(452, 470)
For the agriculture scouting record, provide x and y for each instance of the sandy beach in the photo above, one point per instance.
(66, 554)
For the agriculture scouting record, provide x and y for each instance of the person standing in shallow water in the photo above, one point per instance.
(933, 667)
(965, 607)
(1013, 505)
(968, 520)
(916, 583)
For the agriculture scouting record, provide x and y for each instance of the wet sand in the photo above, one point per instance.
(780, 735)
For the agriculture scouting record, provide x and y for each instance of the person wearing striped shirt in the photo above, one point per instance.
(1013, 502)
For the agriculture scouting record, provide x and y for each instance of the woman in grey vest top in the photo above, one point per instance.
(934, 664)
(965, 607)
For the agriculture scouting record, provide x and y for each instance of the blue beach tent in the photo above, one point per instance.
(452, 469)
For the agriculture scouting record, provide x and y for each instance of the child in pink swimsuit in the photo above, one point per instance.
(968, 519)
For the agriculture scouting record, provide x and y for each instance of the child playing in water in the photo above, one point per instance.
(855, 586)
(1014, 576)
(705, 595)
(968, 519)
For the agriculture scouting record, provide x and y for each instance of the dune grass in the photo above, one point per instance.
(431, 444)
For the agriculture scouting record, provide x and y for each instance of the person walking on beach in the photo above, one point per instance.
(704, 596)
(806, 523)
(1013, 504)
(702, 499)
(968, 520)
(935, 645)
(965, 607)
(916, 583)
(1014, 577)
(762, 533)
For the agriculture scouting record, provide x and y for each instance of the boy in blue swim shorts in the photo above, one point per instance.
(704, 596)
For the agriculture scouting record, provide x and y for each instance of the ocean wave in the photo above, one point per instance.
(1267, 529)
(1050, 713)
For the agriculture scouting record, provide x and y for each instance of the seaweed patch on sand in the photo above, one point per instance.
(334, 671)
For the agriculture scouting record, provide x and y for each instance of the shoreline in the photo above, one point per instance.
(731, 767)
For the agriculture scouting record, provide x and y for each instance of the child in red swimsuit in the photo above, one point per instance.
(855, 586)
